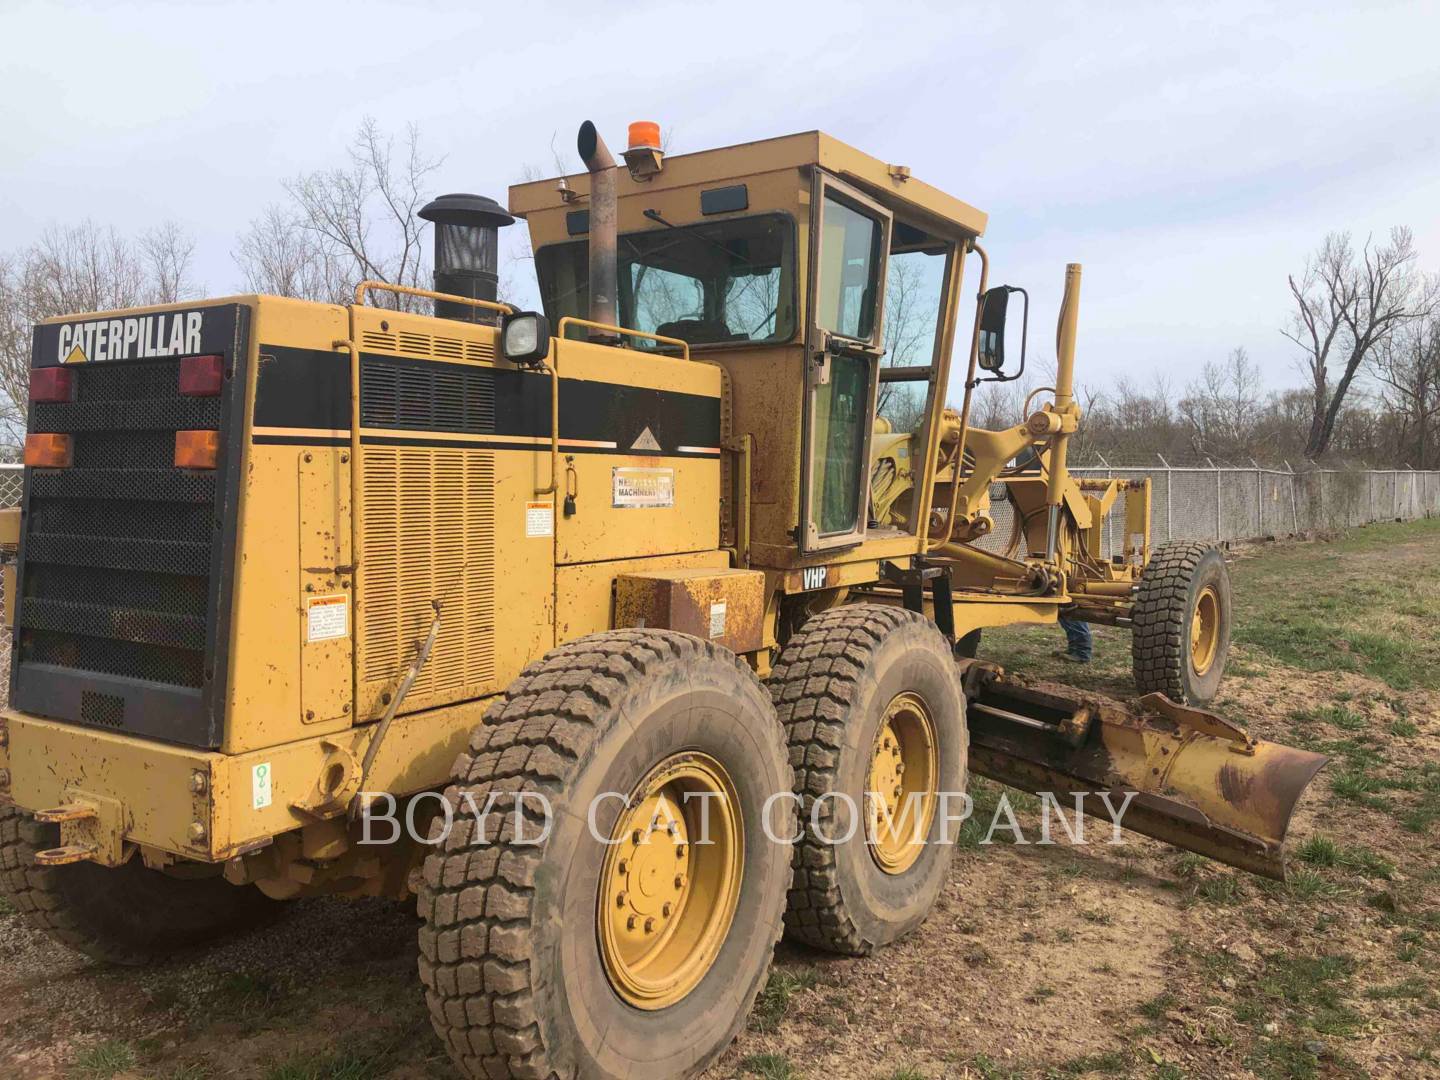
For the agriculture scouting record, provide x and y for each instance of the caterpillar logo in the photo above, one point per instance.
(813, 577)
(135, 338)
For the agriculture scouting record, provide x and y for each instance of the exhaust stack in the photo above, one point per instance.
(604, 214)
(467, 252)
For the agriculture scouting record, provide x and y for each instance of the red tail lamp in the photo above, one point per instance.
(196, 449)
(48, 451)
(202, 376)
(50, 384)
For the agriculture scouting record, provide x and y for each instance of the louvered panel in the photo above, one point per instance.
(430, 533)
(448, 347)
(378, 578)
(417, 536)
(375, 339)
(479, 585)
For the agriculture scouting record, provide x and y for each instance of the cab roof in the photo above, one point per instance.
(891, 185)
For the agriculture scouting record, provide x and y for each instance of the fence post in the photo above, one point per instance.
(1294, 513)
(1218, 536)
(1169, 499)
(1394, 494)
(1370, 491)
(1259, 500)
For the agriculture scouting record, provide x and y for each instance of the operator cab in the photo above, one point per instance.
(825, 282)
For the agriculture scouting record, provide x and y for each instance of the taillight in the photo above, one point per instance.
(50, 384)
(48, 451)
(196, 449)
(202, 376)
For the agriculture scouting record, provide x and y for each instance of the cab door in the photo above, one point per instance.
(849, 242)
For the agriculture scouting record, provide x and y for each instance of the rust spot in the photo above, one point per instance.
(1235, 785)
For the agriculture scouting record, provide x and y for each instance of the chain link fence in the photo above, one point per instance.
(12, 477)
(1220, 503)
(1197, 502)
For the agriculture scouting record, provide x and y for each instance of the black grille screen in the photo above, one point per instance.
(396, 393)
(123, 581)
(118, 573)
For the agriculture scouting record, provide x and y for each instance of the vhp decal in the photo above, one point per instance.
(171, 333)
(813, 577)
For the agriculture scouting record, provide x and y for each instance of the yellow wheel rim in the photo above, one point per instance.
(900, 798)
(671, 881)
(1205, 630)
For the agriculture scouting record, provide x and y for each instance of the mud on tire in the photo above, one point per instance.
(831, 688)
(126, 915)
(513, 973)
(1175, 580)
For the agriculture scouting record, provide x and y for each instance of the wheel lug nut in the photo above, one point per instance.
(649, 926)
(636, 836)
(624, 867)
(679, 881)
(620, 899)
(630, 923)
(666, 908)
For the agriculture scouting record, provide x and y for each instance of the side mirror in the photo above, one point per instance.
(525, 337)
(993, 308)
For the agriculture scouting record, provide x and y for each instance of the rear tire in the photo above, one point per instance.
(1182, 618)
(128, 914)
(517, 952)
(834, 687)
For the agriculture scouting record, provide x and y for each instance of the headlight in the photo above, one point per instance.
(525, 337)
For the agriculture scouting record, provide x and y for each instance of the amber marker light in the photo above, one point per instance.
(48, 451)
(196, 449)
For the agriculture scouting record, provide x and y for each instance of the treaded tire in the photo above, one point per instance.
(831, 687)
(128, 915)
(1160, 651)
(509, 956)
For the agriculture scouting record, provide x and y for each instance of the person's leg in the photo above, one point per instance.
(1081, 645)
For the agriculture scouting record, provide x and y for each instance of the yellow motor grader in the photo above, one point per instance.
(624, 635)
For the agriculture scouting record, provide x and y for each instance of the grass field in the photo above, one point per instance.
(1129, 961)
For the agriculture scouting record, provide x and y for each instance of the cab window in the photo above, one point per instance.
(713, 283)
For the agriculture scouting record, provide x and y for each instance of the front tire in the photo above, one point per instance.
(537, 957)
(129, 914)
(1182, 619)
(860, 690)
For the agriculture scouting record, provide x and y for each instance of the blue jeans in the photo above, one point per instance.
(1077, 634)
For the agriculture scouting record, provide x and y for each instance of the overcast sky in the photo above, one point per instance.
(1189, 160)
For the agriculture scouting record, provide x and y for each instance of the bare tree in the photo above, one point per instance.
(82, 268)
(910, 313)
(345, 225)
(1347, 305)
(1407, 366)
(1222, 406)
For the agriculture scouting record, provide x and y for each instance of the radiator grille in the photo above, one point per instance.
(429, 532)
(426, 397)
(118, 547)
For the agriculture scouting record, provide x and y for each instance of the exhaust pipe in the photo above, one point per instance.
(604, 215)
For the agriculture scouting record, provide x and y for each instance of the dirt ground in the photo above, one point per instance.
(1039, 961)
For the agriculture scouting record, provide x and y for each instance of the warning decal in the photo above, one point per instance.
(327, 617)
(643, 487)
(539, 519)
